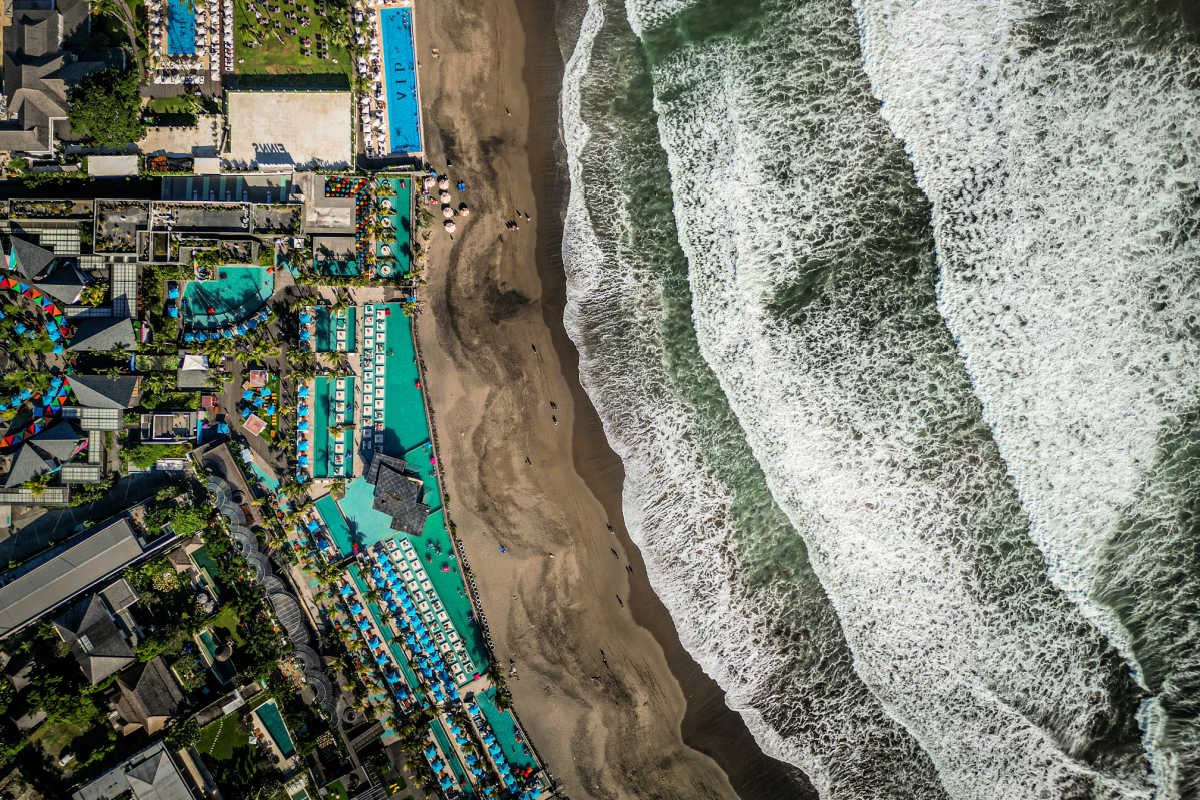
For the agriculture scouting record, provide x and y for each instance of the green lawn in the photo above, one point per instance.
(337, 791)
(227, 619)
(271, 57)
(218, 739)
(53, 737)
(183, 104)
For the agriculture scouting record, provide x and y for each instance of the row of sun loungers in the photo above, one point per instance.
(374, 375)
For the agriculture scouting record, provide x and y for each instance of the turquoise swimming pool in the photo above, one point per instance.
(268, 714)
(329, 323)
(399, 250)
(181, 28)
(236, 293)
(399, 62)
(323, 443)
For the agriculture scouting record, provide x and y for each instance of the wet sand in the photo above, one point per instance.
(613, 703)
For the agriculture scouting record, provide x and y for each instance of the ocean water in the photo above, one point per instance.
(889, 310)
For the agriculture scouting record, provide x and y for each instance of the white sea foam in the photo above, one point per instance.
(1060, 148)
(822, 718)
(859, 411)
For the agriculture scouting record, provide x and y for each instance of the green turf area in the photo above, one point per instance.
(183, 104)
(53, 737)
(219, 739)
(274, 57)
(337, 791)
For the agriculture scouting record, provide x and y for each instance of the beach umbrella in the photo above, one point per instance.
(58, 348)
(449, 226)
(444, 197)
(447, 212)
(463, 210)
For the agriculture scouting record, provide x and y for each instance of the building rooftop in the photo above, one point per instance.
(98, 391)
(263, 133)
(95, 640)
(149, 775)
(149, 696)
(27, 258)
(59, 441)
(38, 71)
(26, 464)
(100, 333)
(64, 576)
(64, 284)
(398, 493)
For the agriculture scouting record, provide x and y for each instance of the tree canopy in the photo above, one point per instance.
(107, 107)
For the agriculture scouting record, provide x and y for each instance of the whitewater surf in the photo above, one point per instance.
(905, 393)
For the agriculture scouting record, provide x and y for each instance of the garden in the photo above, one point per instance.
(292, 37)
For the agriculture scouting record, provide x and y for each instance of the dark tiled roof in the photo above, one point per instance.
(58, 441)
(64, 284)
(100, 333)
(38, 72)
(398, 493)
(27, 464)
(29, 259)
(94, 638)
(98, 391)
(152, 693)
(149, 775)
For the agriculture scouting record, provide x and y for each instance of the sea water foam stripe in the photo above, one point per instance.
(855, 403)
(798, 692)
(1060, 154)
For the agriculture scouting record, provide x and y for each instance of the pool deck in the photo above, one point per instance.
(379, 76)
(433, 558)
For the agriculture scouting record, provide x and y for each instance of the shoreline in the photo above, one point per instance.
(709, 725)
(608, 695)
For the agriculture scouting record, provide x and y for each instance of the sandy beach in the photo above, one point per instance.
(613, 703)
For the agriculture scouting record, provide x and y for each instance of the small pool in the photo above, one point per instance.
(269, 481)
(223, 671)
(268, 714)
(329, 323)
(236, 293)
(399, 63)
(181, 28)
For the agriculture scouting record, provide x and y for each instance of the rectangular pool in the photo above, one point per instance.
(323, 419)
(268, 714)
(400, 67)
(181, 28)
(328, 325)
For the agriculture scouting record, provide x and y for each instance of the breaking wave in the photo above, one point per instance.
(911, 439)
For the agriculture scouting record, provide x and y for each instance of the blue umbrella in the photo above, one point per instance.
(303, 426)
(172, 311)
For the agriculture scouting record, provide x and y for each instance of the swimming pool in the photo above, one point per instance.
(329, 323)
(236, 293)
(323, 443)
(268, 714)
(181, 28)
(400, 249)
(399, 63)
